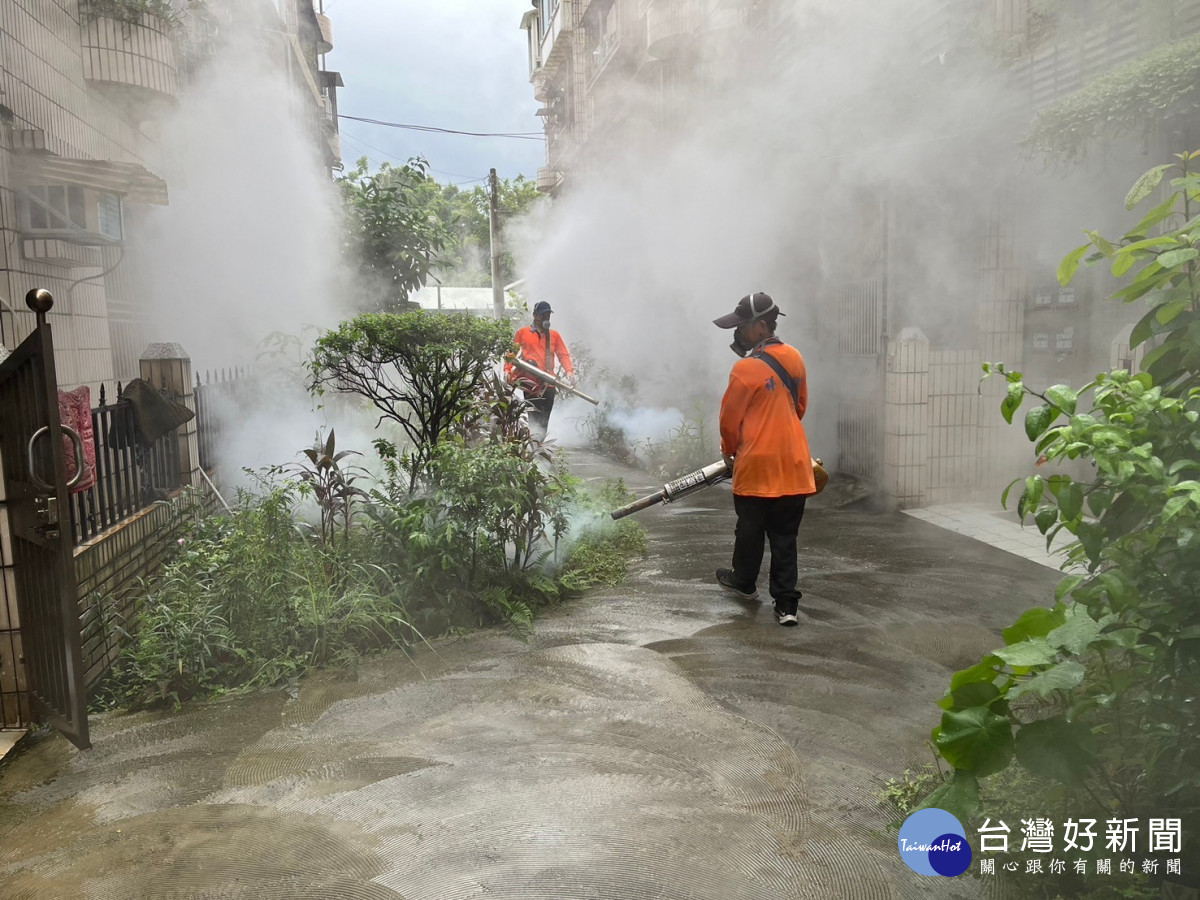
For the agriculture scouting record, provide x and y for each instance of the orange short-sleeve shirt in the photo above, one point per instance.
(761, 430)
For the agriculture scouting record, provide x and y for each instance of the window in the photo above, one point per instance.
(547, 8)
(76, 213)
(1066, 295)
(1041, 341)
(53, 207)
(600, 35)
(108, 216)
(1043, 295)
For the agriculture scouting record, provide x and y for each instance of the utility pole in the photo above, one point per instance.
(494, 234)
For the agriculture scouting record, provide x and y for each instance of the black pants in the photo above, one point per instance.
(778, 520)
(539, 413)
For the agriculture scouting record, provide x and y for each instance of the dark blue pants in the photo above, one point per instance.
(540, 407)
(775, 519)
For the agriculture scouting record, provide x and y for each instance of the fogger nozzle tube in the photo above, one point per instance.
(680, 487)
(530, 369)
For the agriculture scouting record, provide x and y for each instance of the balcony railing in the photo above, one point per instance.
(130, 57)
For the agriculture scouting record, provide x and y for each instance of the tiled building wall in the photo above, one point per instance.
(42, 82)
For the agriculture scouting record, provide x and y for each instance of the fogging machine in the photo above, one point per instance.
(680, 487)
(530, 369)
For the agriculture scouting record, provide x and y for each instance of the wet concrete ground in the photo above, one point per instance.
(657, 740)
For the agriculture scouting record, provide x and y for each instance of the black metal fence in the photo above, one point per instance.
(218, 397)
(129, 475)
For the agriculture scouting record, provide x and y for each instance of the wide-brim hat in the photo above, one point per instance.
(751, 307)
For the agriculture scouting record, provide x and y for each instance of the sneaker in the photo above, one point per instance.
(786, 618)
(725, 580)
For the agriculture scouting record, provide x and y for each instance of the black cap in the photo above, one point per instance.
(541, 308)
(751, 307)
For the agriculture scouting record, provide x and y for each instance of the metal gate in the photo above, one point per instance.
(31, 449)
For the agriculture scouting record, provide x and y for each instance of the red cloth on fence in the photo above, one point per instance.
(75, 411)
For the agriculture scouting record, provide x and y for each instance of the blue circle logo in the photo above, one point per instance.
(933, 842)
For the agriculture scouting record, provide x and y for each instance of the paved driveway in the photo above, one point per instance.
(658, 740)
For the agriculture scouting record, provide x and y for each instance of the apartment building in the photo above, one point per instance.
(909, 338)
(84, 89)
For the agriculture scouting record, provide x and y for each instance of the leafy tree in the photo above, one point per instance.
(466, 257)
(1100, 692)
(391, 236)
(419, 369)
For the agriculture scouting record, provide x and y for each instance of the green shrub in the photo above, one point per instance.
(1099, 693)
(250, 600)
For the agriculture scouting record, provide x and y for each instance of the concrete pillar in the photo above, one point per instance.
(167, 366)
(906, 419)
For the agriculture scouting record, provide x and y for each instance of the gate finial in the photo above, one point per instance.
(39, 300)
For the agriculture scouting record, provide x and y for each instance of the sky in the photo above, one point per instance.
(459, 64)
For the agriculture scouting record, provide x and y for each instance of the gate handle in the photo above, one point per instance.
(79, 458)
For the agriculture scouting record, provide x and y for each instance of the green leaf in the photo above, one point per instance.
(977, 693)
(1092, 537)
(1053, 748)
(959, 796)
(975, 740)
(1101, 244)
(1173, 258)
(1070, 501)
(1116, 588)
(1012, 400)
(1145, 329)
(1065, 586)
(1070, 264)
(1035, 488)
(1004, 495)
(1032, 652)
(1045, 518)
(1125, 260)
(1079, 630)
(985, 670)
(1173, 507)
(1168, 312)
(1063, 397)
(1061, 677)
(1037, 420)
(1152, 218)
(1034, 623)
(1145, 185)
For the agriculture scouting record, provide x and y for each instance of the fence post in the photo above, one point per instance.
(168, 365)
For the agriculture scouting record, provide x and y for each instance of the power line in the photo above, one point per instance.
(364, 144)
(517, 135)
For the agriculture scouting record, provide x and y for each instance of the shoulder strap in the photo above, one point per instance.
(788, 381)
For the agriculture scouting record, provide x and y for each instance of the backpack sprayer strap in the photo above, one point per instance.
(788, 381)
(820, 475)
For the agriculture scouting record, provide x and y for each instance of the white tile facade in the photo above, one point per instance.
(45, 86)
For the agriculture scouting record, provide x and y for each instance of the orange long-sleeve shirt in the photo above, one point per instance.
(533, 346)
(761, 430)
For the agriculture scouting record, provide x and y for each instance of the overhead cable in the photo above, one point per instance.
(518, 135)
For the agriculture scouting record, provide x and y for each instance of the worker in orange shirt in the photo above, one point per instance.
(763, 442)
(540, 345)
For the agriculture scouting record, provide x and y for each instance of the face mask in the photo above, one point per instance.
(740, 345)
